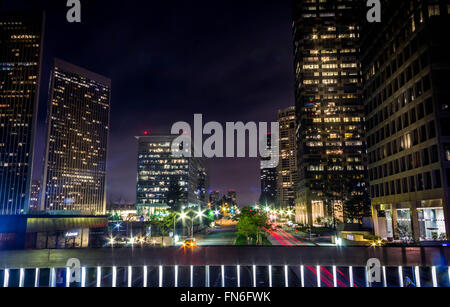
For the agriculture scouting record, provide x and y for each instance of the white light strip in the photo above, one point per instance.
(417, 273)
(223, 276)
(36, 278)
(366, 273)
(176, 276)
(302, 275)
(449, 273)
(335, 284)
(114, 277)
(318, 276)
(160, 276)
(384, 277)
(192, 276)
(52, 278)
(6, 278)
(145, 277)
(254, 276)
(130, 276)
(350, 272)
(68, 277)
(21, 278)
(286, 276)
(99, 277)
(83, 277)
(238, 269)
(207, 276)
(400, 276)
(433, 273)
(270, 276)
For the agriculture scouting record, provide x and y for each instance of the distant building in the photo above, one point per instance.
(157, 172)
(287, 167)
(232, 197)
(21, 39)
(214, 198)
(122, 210)
(77, 140)
(35, 195)
(268, 179)
(406, 69)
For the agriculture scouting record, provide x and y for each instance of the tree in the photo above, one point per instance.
(251, 224)
(163, 224)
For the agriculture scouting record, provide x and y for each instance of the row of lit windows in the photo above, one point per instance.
(410, 162)
(420, 182)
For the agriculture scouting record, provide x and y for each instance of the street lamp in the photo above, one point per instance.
(184, 216)
(112, 241)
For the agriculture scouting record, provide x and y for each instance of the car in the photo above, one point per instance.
(190, 242)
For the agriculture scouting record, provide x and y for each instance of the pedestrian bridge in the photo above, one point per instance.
(227, 267)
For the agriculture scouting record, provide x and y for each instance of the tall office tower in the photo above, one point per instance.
(330, 112)
(287, 167)
(163, 178)
(268, 179)
(77, 138)
(406, 71)
(21, 38)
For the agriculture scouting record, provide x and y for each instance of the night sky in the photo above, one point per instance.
(230, 60)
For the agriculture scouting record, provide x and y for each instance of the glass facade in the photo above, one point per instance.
(405, 73)
(287, 167)
(268, 179)
(330, 112)
(77, 139)
(158, 170)
(21, 37)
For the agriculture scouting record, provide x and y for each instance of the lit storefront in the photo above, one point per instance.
(51, 232)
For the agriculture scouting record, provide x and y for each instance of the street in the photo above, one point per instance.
(280, 237)
(221, 236)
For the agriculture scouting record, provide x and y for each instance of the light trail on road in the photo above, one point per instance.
(279, 238)
(291, 236)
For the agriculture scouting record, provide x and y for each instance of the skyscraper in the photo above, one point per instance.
(268, 179)
(232, 197)
(287, 167)
(406, 71)
(21, 37)
(77, 139)
(330, 112)
(214, 199)
(163, 178)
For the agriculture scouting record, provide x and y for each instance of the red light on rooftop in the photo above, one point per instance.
(146, 132)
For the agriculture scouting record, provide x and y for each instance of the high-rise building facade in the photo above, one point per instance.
(330, 111)
(158, 169)
(77, 140)
(287, 167)
(35, 195)
(232, 197)
(214, 199)
(21, 38)
(406, 71)
(268, 178)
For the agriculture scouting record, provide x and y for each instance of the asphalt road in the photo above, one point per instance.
(281, 237)
(219, 237)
